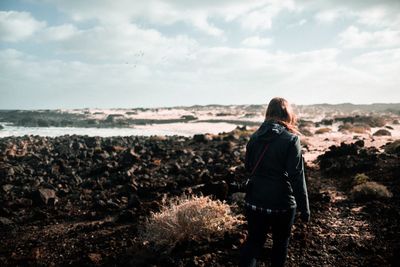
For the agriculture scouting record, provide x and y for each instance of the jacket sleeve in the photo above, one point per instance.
(295, 169)
(247, 163)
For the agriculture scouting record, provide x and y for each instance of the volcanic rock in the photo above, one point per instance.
(44, 196)
(129, 157)
(393, 147)
(202, 138)
(126, 216)
(6, 224)
(382, 132)
(218, 189)
(348, 158)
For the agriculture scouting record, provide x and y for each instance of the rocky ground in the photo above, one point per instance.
(76, 200)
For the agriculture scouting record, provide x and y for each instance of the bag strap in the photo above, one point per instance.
(259, 160)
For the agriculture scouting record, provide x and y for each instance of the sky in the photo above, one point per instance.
(153, 53)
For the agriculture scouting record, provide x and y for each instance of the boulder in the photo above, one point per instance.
(382, 132)
(348, 158)
(129, 157)
(6, 224)
(218, 189)
(202, 138)
(44, 196)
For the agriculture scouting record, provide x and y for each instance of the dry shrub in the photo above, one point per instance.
(370, 191)
(305, 131)
(242, 131)
(360, 178)
(323, 130)
(189, 218)
(359, 128)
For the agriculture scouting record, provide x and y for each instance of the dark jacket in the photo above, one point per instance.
(278, 182)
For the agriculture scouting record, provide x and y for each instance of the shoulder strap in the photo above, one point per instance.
(259, 160)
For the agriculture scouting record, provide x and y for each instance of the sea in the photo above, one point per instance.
(171, 129)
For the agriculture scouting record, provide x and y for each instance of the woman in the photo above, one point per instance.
(277, 184)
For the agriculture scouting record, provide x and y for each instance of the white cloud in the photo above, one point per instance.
(252, 15)
(353, 37)
(297, 23)
(201, 22)
(381, 16)
(126, 43)
(17, 26)
(256, 41)
(329, 16)
(120, 52)
(58, 33)
(384, 64)
(302, 22)
(205, 76)
(261, 18)
(365, 13)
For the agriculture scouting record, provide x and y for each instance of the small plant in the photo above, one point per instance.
(189, 218)
(359, 128)
(370, 191)
(323, 130)
(360, 178)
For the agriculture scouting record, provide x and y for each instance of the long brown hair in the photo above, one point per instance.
(280, 111)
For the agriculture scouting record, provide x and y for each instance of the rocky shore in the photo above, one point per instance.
(78, 200)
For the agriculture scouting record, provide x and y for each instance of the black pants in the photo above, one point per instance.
(258, 225)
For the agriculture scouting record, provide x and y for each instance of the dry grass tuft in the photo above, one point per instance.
(370, 191)
(359, 128)
(189, 218)
(323, 130)
(360, 178)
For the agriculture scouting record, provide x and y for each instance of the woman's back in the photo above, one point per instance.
(277, 188)
(271, 187)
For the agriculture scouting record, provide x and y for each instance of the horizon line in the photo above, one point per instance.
(202, 105)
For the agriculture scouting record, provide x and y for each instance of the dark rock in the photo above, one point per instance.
(348, 158)
(371, 121)
(231, 137)
(7, 187)
(44, 196)
(129, 157)
(10, 172)
(175, 168)
(218, 189)
(78, 145)
(126, 216)
(226, 147)
(359, 143)
(113, 205)
(6, 224)
(393, 147)
(134, 201)
(201, 138)
(382, 132)
(92, 142)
